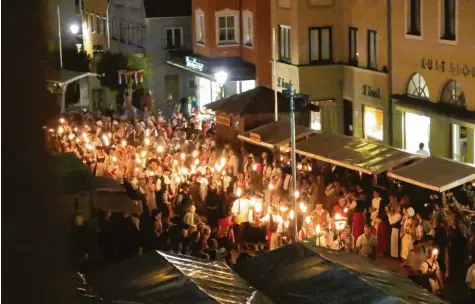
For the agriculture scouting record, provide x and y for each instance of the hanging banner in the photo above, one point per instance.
(223, 120)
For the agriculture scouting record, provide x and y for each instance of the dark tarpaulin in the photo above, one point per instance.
(73, 176)
(116, 202)
(158, 277)
(259, 100)
(300, 273)
(104, 183)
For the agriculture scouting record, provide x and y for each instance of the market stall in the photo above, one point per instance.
(353, 153)
(160, 277)
(275, 134)
(303, 273)
(435, 173)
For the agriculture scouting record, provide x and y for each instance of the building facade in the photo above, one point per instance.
(336, 52)
(127, 26)
(231, 37)
(433, 76)
(168, 30)
(95, 26)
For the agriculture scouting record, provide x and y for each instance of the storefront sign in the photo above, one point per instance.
(453, 68)
(194, 63)
(223, 120)
(255, 136)
(282, 83)
(371, 92)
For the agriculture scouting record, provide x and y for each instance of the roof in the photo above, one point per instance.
(450, 173)
(65, 77)
(104, 183)
(275, 134)
(116, 202)
(167, 8)
(302, 273)
(354, 153)
(259, 100)
(73, 176)
(158, 277)
(455, 114)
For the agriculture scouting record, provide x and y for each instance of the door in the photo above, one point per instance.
(348, 117)
(172, 86)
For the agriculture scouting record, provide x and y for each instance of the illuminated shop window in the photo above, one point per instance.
(453, 94)
(373, 123)
(418, 87)
(416, 131)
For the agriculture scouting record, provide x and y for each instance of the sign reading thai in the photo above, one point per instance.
(453, 68)
(194, 63)
(282, 83)
(371, 92)
(255, 136)
(223, 120)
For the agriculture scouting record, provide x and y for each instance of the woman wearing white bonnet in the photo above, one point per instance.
(407, 232)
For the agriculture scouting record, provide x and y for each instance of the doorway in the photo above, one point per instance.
(416, 131)
(459, 143)
(348, 117)
(172, 86)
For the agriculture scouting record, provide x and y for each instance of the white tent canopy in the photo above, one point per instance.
(353, 153)
(435, 173)
(275, 134)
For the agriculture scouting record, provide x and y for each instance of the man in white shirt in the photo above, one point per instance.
(421, 150)
(366, 243)
(470, 280)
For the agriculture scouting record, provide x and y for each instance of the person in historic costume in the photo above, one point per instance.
(358, 216)
(393, 212)
(102, 162)
(320, 216)
(407, 232)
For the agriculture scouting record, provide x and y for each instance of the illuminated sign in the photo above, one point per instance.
(194, 63)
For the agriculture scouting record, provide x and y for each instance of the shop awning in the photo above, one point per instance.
(237, 69)
(165, 278)
(453, 114)
(65, 77)
(274, 134)
(353, 153)
(259, 100)
(302, 273)
(103, 183)
(73, 176)
(435, 173)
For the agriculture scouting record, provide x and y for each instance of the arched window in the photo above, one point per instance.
(418, 87)
(453, 94)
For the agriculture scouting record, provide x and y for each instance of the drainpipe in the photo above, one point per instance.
(107, 25)
(390, 73)
(241, 35)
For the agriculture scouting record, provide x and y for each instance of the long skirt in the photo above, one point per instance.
(395, 243)
(358, 224)
(381, 238)
(406, 245)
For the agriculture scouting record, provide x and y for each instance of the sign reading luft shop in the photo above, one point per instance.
(453, 68)
(371, 92)
(194, 63)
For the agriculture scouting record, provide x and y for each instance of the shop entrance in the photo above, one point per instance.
(348, 117)
(172, 86)
(416, 131)
(459, 143)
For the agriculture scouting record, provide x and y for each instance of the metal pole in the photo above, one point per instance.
(294, 166)
(108, 28)
(59, 35)
(274, 75)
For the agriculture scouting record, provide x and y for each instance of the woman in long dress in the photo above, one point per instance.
(407, 232)
(394, 218)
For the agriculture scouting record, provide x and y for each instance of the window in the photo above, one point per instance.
(200, 27)
(113, 28)
(414, 17)
(99, 25)
(284, 42)
(227, 30)
(372, 63)
(418, 87)
(448, 19)
(321, 44)
(139, 31)
(353, 45)
(315, 118)
(89, 22)
(131, 35)
(372, 123)
(174, 38)
(248, 29)
(453, 94)
(121, 30)
(104, 26)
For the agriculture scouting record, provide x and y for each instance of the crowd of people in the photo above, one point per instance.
(207, 200)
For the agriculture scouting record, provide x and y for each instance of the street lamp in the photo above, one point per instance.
(74, 28)
(221, 78)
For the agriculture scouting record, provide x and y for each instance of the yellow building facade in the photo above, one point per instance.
(336, 52)
(433, 77)
(95, 25)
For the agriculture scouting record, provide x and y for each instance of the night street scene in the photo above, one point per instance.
(238, 151)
